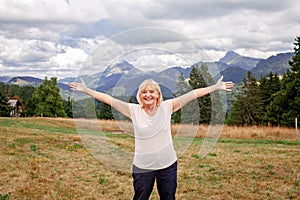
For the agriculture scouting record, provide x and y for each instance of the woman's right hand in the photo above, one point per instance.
(81, 87)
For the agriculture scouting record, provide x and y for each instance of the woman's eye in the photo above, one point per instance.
(148, 91)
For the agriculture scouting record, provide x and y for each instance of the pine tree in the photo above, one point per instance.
(47, 100)
(5, 108)
(90, 108)
(199, 78)
(105, 111)
(293, 87)
(182, 87)
(248, 108)
(268, 87)
(78, 109)
(286, 104)
(26, 94)
(68, 107)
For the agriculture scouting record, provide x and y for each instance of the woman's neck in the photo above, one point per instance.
(150, 109)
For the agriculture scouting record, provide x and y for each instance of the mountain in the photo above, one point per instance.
(32, 81)
(25, 80)
(110, 77)
(234, 59)
(234, 74)
(4, 79)
(277, 64)
(35, 82)
(123, 79)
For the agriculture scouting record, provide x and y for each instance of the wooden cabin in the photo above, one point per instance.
(17, 107)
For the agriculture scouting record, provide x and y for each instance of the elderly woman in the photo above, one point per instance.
(154, 157)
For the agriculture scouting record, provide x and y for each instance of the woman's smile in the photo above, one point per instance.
(149, 96)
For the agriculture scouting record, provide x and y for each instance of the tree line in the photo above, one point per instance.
(44, 100)
(272, 100)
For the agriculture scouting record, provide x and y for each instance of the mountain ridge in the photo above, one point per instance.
(234, 59)
(123, 78)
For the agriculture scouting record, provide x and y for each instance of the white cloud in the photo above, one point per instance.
(23, 51)
(70, 56)
(52, 37)
(54, 11)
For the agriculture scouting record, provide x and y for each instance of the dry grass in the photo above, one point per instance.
(44, 158)
(256, 132)
(250, 132)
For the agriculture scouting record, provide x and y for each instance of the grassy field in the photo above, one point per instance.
(44, 158)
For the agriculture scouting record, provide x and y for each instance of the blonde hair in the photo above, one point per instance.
(152, 84)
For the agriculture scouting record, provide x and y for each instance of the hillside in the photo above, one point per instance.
(25, 80)
(277, 64)
(234, 74)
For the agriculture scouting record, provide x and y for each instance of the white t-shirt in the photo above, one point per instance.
(153, 140)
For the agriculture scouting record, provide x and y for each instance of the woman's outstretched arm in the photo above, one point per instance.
(182, 100)
(121, 106)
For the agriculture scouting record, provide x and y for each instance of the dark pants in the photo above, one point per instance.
(166, 180)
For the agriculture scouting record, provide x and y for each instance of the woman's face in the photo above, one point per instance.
(149, 96)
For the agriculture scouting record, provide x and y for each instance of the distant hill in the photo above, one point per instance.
(25, 80)
(32, 81)
(277, 64)
(35, 82)
(4, 79)
(234, 74)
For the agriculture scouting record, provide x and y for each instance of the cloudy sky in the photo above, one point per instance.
(64, 38)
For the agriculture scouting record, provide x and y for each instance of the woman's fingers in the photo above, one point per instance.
(82, 81)
(220, 80)
(228, 85)
(73, 86)
(77, 86)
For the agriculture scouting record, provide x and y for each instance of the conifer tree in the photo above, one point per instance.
(47, 100)
(68, 107)
(90, 109)
(269, 86)
(286, 105)
(105, 111)
(183, 87)
(5, 108)
(248, 108)
(26, 94)
(78, 109)
(199, 78)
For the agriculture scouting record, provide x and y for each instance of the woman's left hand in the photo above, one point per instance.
(225, 86)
